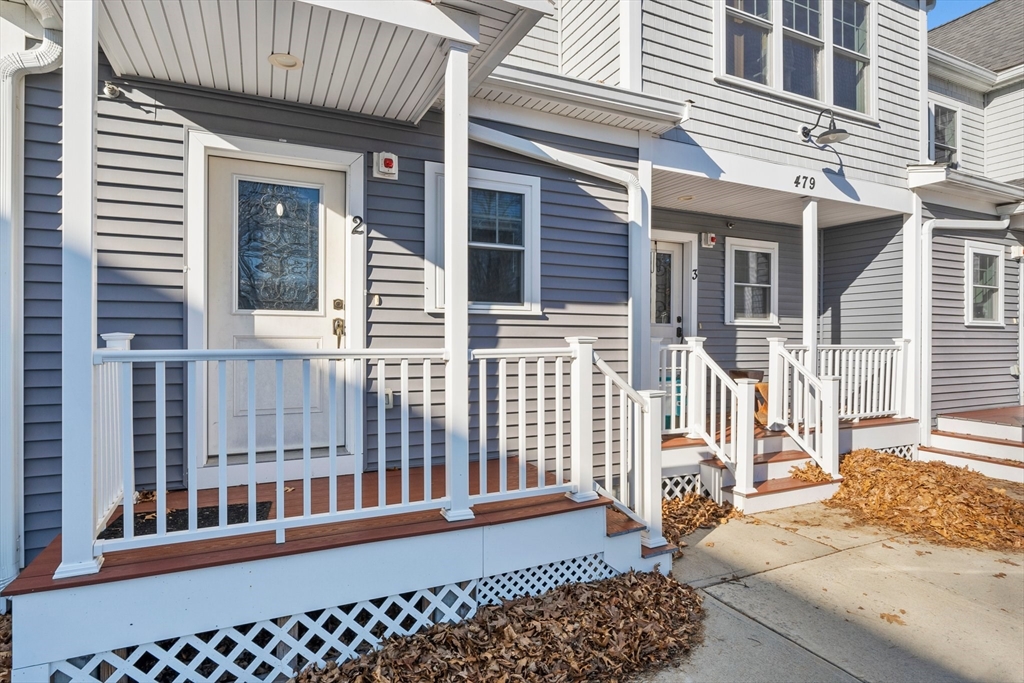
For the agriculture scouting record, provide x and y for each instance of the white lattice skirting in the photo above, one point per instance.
(906, 452)
(680, 485)
(275, 649)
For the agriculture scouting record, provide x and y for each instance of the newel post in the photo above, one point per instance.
(695, 387)
(743, 428)
(581, 429)
(650, 470)
(901, 376)
(829, 447)
(657, 380)
(776, 381)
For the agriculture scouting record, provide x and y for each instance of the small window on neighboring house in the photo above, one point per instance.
(944, 134)
(504, 241)
(983, 284)
(751, 288)
(850, 54)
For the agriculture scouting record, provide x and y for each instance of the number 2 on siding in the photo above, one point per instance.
(804, 181)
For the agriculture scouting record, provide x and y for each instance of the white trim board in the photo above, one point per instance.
(691, 285)
(200, 146)
(972, 247)
(732, 244)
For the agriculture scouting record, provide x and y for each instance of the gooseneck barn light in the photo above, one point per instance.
(830, 134)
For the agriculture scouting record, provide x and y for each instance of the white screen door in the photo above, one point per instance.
(275, 266)
(667, 291)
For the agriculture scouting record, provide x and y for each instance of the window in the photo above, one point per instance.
(983, 284)
(504, 241)
(751, 288)
(945, 125)
(814, 49)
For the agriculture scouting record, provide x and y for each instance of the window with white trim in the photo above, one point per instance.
(504, 241)
(945, 136)
(751, 282)
(815, 49)
(983, 284)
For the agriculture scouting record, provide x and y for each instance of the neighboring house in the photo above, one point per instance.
(397, 309)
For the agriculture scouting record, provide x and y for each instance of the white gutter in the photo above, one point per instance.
(13, 68)
(925, 416)
(639, 234)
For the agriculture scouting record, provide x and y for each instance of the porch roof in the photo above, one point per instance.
(367, 57)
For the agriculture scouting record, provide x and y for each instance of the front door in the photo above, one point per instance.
(667, 292)
(275, 276)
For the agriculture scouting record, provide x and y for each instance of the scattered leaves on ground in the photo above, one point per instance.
(892, 618)
(1006, 561)
(811, 471)
(145, 496)
(5, 648)
(1000, 575)
(682, 516)
(600, 631)
(933, 500)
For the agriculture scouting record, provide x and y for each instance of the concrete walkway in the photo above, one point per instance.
(805, 594)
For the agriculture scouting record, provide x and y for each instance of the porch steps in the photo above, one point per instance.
(988, 447)
(997, 468)
(1000, 423)
(624, 541)
(766, 465)
(784, 492)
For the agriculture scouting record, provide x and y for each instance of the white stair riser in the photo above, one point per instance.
(986, 429)
(1007, 451)
(782, 499)
(989, 469)
(766, 471)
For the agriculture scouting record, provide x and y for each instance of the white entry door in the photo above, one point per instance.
(667, 292)
(275, 280)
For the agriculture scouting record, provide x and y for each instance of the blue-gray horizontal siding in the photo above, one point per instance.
(862, 283)
(42, 297)
(740, 346)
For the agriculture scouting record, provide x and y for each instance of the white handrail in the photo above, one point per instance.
(184, 355)
(804, 406)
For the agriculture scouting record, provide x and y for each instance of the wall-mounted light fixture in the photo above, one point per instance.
(830, 135)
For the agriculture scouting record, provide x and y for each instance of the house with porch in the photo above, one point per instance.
(326, 321)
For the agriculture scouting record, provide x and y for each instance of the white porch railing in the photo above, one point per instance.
(673, 363)
(804, 406)
(110, 432)
(871, 378)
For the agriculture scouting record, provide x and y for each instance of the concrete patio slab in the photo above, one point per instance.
(826, 525)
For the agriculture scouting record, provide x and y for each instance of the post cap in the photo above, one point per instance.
(581, 340)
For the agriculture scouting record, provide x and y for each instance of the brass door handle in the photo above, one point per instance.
(339, 329)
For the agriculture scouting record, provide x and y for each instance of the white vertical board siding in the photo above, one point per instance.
(1004, 133)
(739, 346)
(862, 283)
(970, 365)
(590, 40)
(971, 125)
(538, 50)
(42, 296)
(678, 42)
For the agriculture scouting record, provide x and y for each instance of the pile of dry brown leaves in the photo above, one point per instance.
(811, 472)
(601, 631)
(5, 648)
(682, 516)
(936, 501)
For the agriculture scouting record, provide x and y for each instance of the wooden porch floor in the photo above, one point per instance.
(131, 564)
(1012, 415)
(761, 432)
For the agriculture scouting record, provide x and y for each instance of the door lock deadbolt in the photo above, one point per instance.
(339, 304)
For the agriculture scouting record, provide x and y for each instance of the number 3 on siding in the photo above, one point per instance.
(803, 181)
(694, 273)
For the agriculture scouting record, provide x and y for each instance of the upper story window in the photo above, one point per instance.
(814, 49)
(983, 284)
(944, 138)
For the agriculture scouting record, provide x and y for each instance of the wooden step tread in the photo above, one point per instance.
(972, 456)
(784, 484)
(647, 553)
(980, 439)
(618, 523)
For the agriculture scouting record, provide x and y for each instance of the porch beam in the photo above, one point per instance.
(810, 282)
(78, 291)
(456, 281)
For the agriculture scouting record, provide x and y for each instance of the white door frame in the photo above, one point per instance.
(200, 144)
(689, 266)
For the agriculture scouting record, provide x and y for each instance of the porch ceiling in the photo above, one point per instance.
(743, 201)
(352, 59)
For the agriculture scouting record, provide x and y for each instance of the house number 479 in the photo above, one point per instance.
(806, 182)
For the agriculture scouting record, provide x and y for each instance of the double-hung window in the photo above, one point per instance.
(944, 138)
(504, 241)
(983, 284)
(814, 49)
(751, 282)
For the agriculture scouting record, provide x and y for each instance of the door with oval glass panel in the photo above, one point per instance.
(275, 280)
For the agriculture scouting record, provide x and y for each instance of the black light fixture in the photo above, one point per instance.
(830, 135)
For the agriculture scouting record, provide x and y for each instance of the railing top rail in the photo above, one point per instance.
(557, 351)
(858, 347)
(803, 369)
(717, 370)
(183, 355)
(620, 383)
(678, 347)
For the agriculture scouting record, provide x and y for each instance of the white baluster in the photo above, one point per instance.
(404, 383)
(482, 410)
(332, 436)
(560, 420)
(222, 443)
(503, 425)
(279, 434)
(542, 451)
(428, 446)
(161, 448)
(521, 424)
(382, 435)
(251, 432)
(307, 462)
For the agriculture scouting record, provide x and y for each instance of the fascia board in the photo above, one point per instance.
(960, 71)
(412, 14)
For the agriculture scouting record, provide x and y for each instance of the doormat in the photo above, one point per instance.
(177, 519)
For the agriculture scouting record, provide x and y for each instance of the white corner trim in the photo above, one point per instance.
(772, 248)
(972, 247)
(200, 145)
(630, 45)
(639, 232)
(45, 57)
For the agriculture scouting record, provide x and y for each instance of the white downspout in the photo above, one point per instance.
(638, 230)
(925, 417)
(13, 68)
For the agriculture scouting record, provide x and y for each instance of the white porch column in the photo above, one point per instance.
(913, 305)
(810, 280)
(643, 365)
(78, 291)
(456, 282)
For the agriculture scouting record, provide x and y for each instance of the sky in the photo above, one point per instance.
(948, 10)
